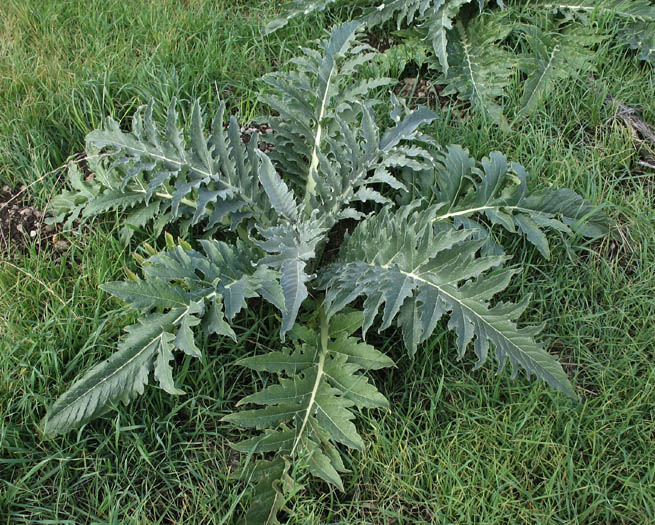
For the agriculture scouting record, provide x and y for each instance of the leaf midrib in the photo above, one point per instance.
(462, 304)
(311, 182)
(519, 209)
(533, 95)
(128, 362)
(180, 164)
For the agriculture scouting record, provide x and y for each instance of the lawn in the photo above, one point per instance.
(457, 446)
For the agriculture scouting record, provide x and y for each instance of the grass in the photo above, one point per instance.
(458, 446)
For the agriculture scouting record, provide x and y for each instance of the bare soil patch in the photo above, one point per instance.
(23, 225)
(262, 130)
(423, 93)
(380, 41)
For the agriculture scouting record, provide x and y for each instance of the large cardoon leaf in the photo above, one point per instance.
(401, 267)
(330, 144)
(181, 276)
(324, 113)
(497, 190)
(325, 138)
(554, 57)
(208, 288)
(122, 377)
(480, 69)
(327, 71)
(157, 172)
(310, 409)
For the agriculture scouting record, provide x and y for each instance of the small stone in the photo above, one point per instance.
(33, 234)
(20, 228)
(60, 246)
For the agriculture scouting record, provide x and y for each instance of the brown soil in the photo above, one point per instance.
(23, 225)
(379, 41)
(424, 93)
(262, 129)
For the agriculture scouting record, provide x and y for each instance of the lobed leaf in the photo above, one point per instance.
(423, 276)
(554, 57)
(480, 69)
(498, 191)
(290, 248)
(120, 378)
(309, 410)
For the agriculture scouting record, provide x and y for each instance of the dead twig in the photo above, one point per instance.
(633, 121)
